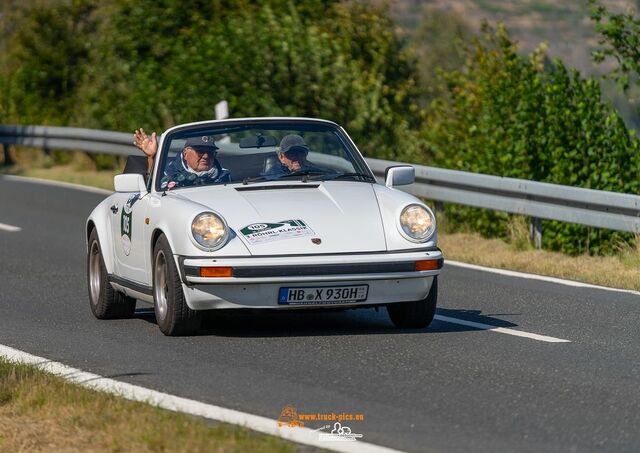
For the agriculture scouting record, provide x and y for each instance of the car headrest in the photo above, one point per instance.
(271, 163)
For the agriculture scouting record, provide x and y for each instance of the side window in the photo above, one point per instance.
(175, 148)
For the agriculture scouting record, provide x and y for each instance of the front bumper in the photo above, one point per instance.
(256, 281)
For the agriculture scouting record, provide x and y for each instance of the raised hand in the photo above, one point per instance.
(148, 145)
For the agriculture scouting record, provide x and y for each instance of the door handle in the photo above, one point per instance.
(114, 208)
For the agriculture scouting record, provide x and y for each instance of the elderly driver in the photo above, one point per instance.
(195, 165)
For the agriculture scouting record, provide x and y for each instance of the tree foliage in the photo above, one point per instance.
(46, 51)
(438, 43)
(620, 40)
(121, 64)
(531, 119)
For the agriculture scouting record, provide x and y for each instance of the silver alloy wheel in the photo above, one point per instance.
(160, 290)
(94, 272)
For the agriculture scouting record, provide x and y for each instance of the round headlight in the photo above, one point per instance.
(209, 231)
(417, 223)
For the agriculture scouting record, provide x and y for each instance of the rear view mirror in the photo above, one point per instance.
(258, 141)
(400, 175)
(130, 182)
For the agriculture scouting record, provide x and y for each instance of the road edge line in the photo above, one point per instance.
(544, 278)
(174, 403)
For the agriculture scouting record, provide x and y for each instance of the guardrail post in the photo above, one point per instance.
(535, 232)
(438, 206)
(8, 160)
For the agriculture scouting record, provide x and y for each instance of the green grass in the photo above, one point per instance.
(39, 411)
(72, 167)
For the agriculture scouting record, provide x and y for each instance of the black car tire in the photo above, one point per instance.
(415, 315)
(105, 302)
(173, 315)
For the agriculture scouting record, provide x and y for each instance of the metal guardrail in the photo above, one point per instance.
(596, 208)
(52, 137)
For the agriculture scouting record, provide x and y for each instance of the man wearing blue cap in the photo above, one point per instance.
(195, 165)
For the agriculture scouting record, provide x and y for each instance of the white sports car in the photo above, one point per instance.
(261, 213)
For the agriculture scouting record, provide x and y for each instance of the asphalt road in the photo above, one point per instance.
(447, 388)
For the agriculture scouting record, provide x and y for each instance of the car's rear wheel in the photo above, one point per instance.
(173, 315)
(415, 315)
(105, 302)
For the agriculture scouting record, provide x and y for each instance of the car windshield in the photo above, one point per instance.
(254, 152)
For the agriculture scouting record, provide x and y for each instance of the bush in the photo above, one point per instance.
(531, 119)
(106, 161)
(167, 62)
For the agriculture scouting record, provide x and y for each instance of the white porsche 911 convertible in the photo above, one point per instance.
(260, 213)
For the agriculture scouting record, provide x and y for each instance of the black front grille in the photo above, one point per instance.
(322, 269)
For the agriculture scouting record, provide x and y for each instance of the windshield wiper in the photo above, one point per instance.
(304, 173)
(348, 175)
(277, 176)
(247, 180)
(301, 173)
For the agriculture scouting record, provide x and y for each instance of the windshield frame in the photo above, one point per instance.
(276, 122)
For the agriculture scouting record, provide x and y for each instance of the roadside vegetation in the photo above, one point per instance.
(41, 412)
(72, 167)
(449, 95)
(620, 270)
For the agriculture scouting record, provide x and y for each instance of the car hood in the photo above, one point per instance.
(298, 218)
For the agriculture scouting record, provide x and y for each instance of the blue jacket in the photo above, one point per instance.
(178, 172)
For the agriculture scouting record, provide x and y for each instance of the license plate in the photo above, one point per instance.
(323, 295)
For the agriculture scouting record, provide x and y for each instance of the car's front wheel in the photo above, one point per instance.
(173, 315)
(105, 302)
(415, 315)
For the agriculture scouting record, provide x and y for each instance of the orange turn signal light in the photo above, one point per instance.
(428, 265)
(216, 272)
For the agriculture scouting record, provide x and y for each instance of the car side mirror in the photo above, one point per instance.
(400, 175)
(129, 182)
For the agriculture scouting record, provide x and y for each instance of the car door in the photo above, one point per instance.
(129, 211)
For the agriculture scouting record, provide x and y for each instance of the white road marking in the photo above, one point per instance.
(11, 228)
(517, 333)
(543, 278)
(177, 404)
